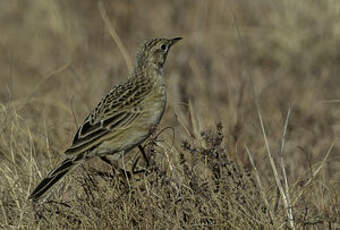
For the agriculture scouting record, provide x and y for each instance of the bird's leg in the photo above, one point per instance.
(141, 149)
(134, 171)
(153, 128)
(106, 160)
(114, 166)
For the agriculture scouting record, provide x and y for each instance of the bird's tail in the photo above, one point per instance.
(55, 175)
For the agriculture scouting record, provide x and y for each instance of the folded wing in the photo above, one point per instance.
(114, 113)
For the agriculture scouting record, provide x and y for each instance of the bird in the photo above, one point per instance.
(123, 119)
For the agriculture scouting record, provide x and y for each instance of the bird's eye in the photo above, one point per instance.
(164, 47)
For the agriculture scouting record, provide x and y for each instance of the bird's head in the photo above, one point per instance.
(154, 52)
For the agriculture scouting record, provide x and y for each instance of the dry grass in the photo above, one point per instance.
(242, 65)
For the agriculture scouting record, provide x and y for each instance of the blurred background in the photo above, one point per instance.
(58, 58)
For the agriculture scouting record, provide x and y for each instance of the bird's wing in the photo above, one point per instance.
(114, 113)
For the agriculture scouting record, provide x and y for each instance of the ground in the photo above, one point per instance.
(257, 77)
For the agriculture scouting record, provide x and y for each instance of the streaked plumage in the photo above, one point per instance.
(124, 118)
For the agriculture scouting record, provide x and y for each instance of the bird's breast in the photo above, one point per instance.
(154, 105)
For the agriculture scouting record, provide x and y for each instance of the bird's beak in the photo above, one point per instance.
(174, 40)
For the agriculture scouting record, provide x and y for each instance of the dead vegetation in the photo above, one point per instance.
(249, 139)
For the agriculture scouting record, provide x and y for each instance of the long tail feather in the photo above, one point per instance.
(55, 175)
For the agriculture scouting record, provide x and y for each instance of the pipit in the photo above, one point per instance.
(123, 119)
